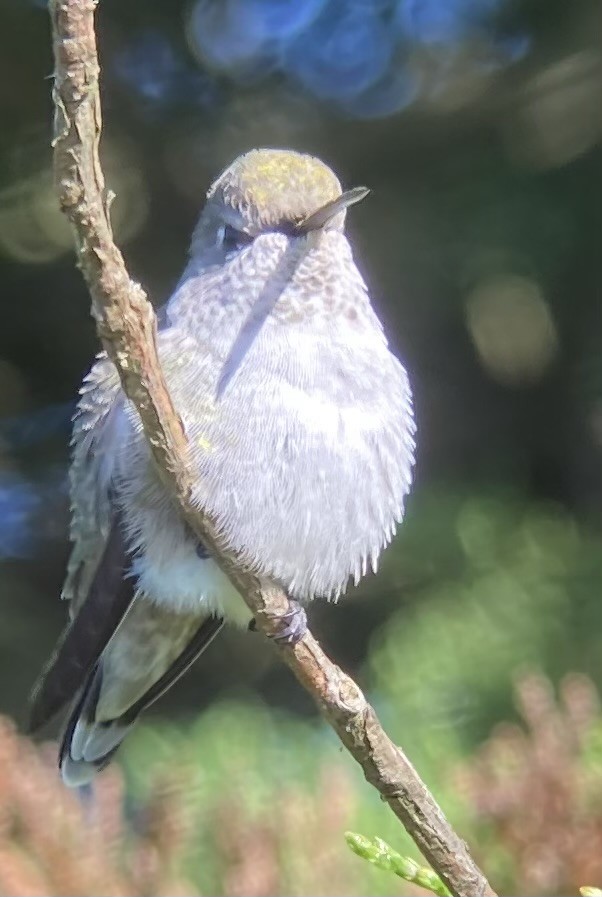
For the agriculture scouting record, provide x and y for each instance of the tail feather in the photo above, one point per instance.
(92, 742)
(79, 773)
(88, 746)
(138, 665)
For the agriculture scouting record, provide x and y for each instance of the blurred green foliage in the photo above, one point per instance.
(516, 586)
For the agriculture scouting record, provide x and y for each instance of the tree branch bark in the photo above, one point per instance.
(126, 325)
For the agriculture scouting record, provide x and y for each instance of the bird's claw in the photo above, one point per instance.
(292, 625)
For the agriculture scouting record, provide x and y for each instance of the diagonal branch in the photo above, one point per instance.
(126, 325)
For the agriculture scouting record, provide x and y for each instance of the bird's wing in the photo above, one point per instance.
(87, 634)
(95, 425)
(149, 651)
(96, 583)
(204, 631)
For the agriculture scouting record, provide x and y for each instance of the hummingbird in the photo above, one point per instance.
(300, 428)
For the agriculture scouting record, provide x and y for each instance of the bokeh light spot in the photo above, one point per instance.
(558, 115)
(444, 21)
(19, 499)
(512, 328)
(279, 19)
(229, 36)
(32, 227)
(151, 67)
(345, 51)
(33, 230)
(391, 94)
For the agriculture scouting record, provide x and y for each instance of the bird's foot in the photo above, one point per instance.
(292, 625)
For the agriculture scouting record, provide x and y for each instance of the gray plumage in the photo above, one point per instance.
(300, 427)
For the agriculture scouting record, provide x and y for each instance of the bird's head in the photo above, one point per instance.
(270, 192)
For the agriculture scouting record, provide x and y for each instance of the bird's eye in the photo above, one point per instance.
(231, 239)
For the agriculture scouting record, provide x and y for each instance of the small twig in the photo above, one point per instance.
(126, 325)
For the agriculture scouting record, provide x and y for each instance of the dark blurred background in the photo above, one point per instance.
(477, 125)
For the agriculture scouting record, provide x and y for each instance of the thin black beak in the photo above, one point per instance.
(318, 219)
